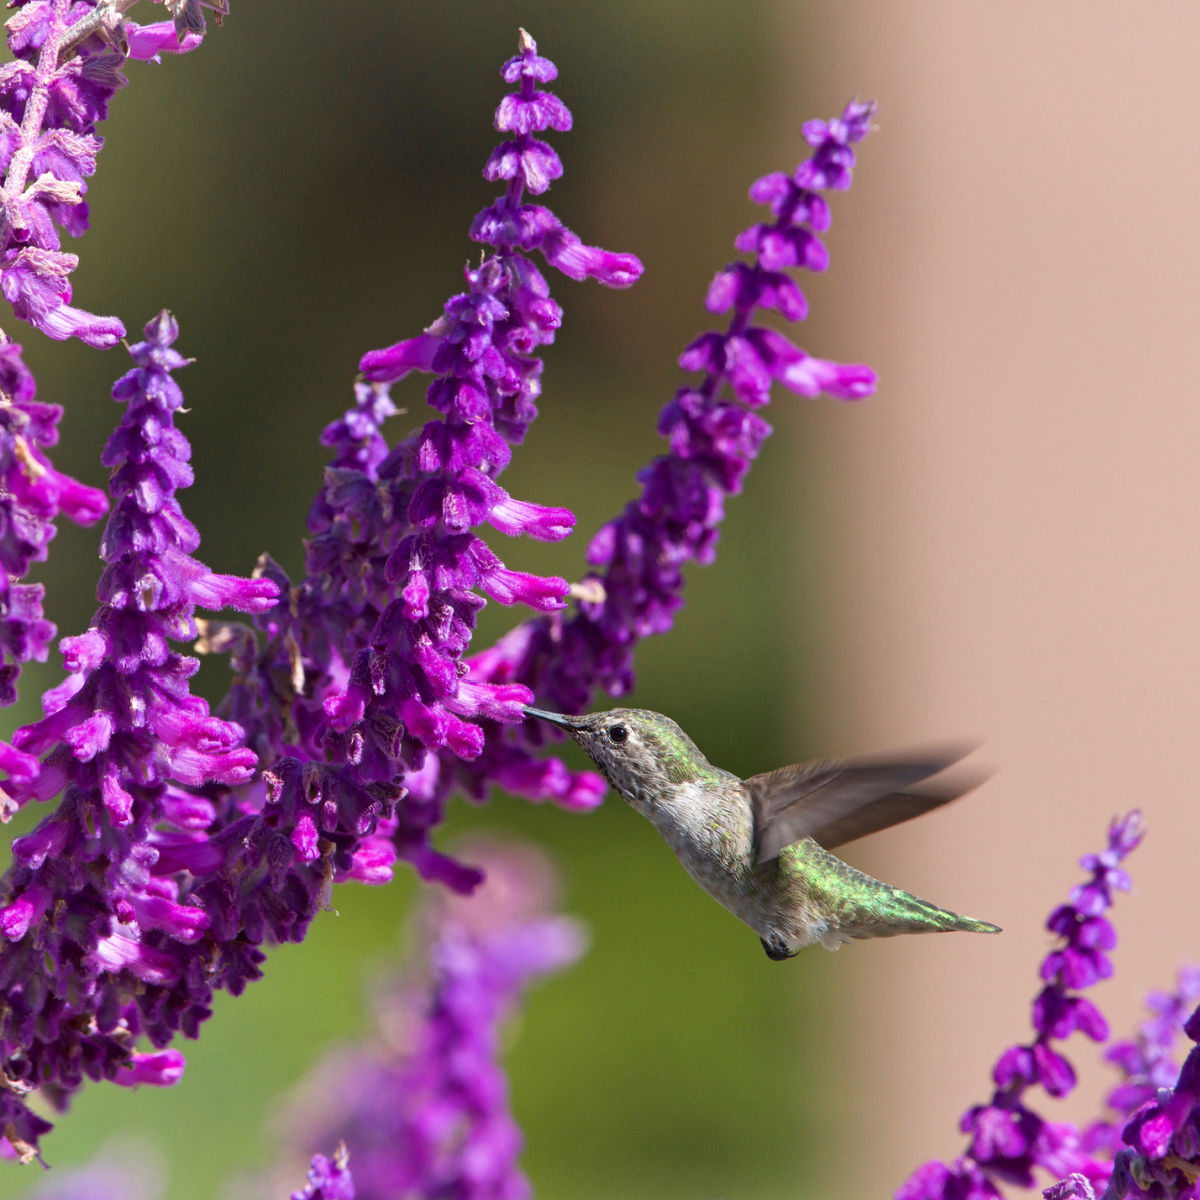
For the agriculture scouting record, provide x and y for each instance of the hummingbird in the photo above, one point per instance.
(761, 846)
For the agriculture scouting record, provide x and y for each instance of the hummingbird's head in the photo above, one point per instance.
(643, 754)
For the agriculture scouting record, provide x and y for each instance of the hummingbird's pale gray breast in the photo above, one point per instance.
(760, 846)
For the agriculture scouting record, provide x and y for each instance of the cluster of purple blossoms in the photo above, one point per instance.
(1009, 1139)
(169, 862)
(1148, 1148)
(170, 859)
(1147, 1062)
(423, 1110)
(67, 64)
(362, 675)
(1161, 1153)
(96, 933)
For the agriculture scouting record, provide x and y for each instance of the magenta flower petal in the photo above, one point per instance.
(162, 1069)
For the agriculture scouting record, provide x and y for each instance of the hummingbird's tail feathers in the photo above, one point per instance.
(829, 901)
(901, 912)
(971, 925)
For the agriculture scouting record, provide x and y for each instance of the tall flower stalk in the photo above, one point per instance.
(370, 644)
(95, 933)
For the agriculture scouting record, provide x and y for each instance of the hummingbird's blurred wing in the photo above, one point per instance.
(836, 802)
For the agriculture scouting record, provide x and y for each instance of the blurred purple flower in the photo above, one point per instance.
(1009, 1139)
(52, 96)
(424, 1112)
(96, 936)
(328, 1178)
(121, 1172)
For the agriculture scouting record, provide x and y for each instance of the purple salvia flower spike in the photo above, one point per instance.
(374, 637)
(67, 66)
(1009, 1139)
(636, 582)
(82, 987)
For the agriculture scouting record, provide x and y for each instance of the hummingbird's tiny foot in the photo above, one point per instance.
(777, 949)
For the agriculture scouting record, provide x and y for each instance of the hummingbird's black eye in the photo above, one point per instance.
(617, 733)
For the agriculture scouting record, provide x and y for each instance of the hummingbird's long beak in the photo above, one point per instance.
(559, 719)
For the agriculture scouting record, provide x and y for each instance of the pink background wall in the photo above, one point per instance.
(1013, 520)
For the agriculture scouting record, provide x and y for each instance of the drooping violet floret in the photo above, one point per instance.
(1009, 1139)
(713, 434)
(423, 1109)
(52, 97)
(32, 495)
(98, 945)
(364, 672)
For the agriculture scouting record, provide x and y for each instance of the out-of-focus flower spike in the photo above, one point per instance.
(425, 1105)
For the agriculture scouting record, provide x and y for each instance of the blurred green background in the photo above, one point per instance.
(298, 191)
